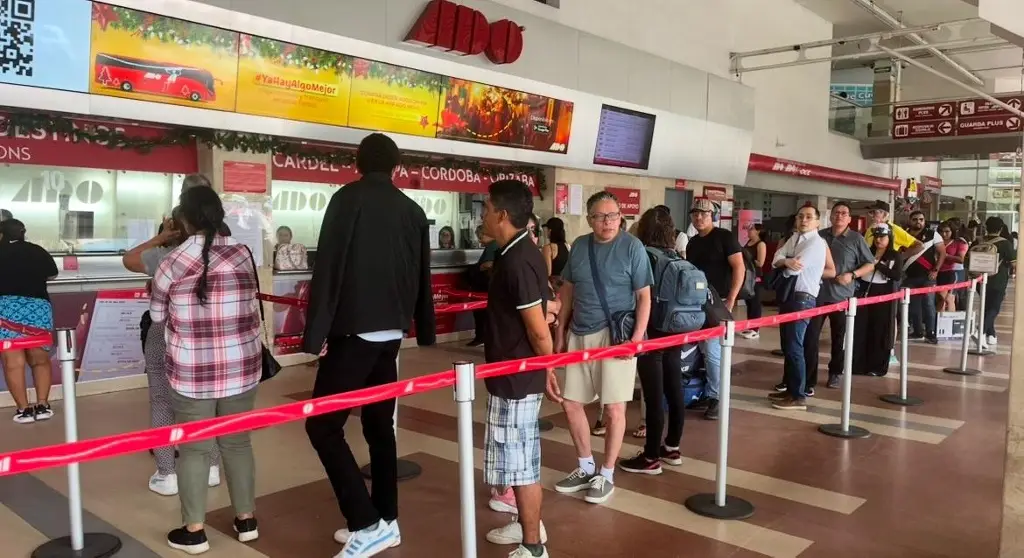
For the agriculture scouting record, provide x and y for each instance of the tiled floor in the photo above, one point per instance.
(926, 484)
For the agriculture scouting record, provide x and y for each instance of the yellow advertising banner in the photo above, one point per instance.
(394, 99)
(143, 56)
(295, 82)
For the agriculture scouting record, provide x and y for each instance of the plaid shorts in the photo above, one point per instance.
(512, 441)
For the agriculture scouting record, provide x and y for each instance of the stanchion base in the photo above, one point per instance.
(836, 431)
(545, 425)
(97, 545)
(778, 352)
(982, 353)
(895, 399)
(407, 470)
(964, 372)
(734, 508)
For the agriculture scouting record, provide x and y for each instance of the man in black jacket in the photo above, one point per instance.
(371, 279)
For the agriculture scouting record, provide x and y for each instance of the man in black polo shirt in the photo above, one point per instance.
(517, 329)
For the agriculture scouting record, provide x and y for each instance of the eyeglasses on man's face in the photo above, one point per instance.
(605, 217)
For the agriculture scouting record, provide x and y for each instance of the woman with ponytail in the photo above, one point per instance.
(205, 292)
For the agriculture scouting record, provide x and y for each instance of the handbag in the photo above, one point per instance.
(715, 311)
(783, 285)
(620, 324)
(269, 367)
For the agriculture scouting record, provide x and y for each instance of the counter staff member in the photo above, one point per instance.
(372, 277)
(518, 329)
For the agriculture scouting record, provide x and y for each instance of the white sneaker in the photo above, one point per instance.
(990, 340)
(214, 479)
(164, 485)
(521, 552)
(341, 536)
(749, 334)
(513, 533)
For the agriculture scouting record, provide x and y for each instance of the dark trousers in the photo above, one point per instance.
(480, 325)
(922, 307)
(795, 367)
(754, 308)
(812, 339)
(994, 295)
(352, 363)
(661, 378)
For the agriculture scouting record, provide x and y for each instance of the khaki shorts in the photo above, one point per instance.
(610, 381)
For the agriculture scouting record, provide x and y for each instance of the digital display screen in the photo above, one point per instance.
(624, 138)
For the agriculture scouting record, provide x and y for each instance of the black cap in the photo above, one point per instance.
(879, 205)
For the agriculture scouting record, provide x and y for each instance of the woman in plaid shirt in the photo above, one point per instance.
(205, 290)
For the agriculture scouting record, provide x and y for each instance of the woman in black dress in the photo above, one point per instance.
(875, 328)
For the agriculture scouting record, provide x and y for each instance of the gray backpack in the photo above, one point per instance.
(679, 293)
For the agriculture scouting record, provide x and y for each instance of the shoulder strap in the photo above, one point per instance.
(256, 275)
(598, 284)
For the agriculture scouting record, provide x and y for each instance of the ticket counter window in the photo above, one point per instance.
(87, 211)
(300, 206)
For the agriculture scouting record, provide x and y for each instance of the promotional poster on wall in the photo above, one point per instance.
(293, 82)
(138, 55)
(46, 44)
(394, 99)
(483, 113)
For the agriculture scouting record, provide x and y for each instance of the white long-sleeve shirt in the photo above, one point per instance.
(810, 248)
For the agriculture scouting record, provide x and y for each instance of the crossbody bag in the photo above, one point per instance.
(621, 325)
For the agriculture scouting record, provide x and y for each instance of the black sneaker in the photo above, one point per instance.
(781, 387)
(712, 411)
(43, 412)
(187, 542)
(25, 416)
(641, 465)
(914, 336)
(809, 392)
(670, 457)
(246, 529)
(932, 340)
(700, 404)
(475, 343)
(834, 381)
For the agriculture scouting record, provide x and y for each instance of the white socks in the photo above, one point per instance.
(588, 465)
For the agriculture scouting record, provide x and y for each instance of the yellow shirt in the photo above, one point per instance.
(900, 237)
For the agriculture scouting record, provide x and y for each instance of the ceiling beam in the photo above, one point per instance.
(877, 52)
(953, 80)
(881, 35)
(885, 17)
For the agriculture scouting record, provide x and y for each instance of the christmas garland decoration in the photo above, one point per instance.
(152, 27)
(237, 141)
(298, 56)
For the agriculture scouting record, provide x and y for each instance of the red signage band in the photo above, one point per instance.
(461, 30)
(426, 177)
(765, 163)
(39, 147)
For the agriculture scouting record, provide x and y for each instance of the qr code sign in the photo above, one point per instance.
(17, 41)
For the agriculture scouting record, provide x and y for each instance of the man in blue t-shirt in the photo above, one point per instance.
(624, 271)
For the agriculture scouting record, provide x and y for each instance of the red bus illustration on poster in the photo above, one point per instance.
(155, 78)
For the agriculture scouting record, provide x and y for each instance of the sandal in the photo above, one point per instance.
(640, 432)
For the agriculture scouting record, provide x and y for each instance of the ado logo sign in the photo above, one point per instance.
(447, 26)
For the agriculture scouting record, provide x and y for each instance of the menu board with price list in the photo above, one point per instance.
(624, 138)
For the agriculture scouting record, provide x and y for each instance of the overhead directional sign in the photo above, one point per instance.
(971, 117)
(927, 129)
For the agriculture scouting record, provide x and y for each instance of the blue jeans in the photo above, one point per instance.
(712, 351)
(795, 367)
(922, 307)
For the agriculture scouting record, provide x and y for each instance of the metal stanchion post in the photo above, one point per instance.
(465, 392)
(982, 349)
(79, 544)
(902, 398)
(719, 505)
(407, 470)
(962, 370)
(844, 429)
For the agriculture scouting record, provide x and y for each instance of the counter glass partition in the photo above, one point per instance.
(71, 210)
(300, 206)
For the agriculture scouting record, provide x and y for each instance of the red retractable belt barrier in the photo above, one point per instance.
(34, 459)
